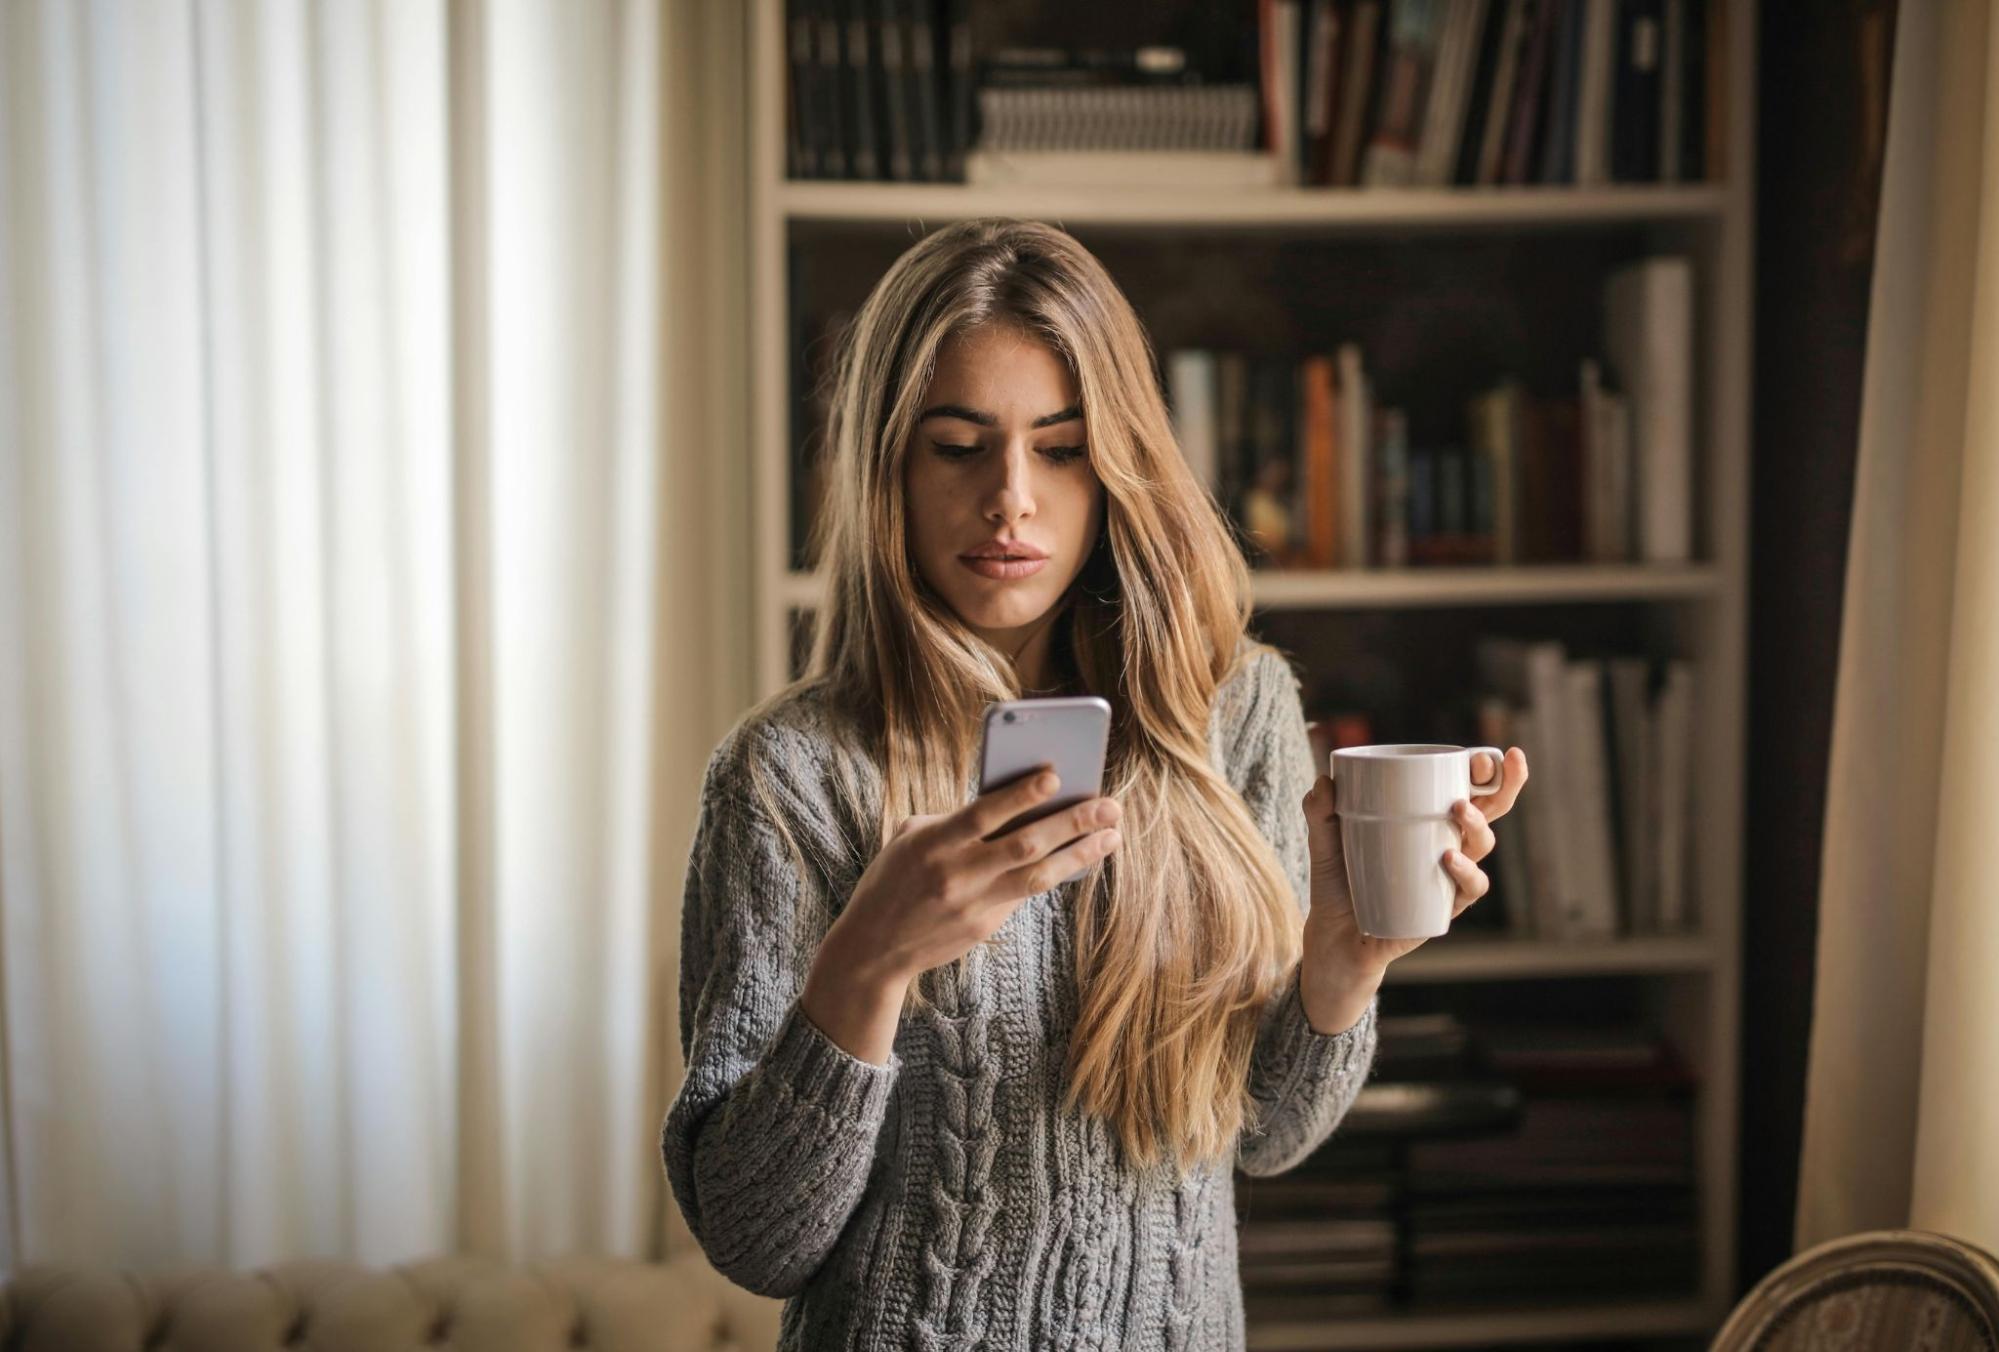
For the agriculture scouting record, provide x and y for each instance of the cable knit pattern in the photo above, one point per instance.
(945, 1200)
(958, 1256)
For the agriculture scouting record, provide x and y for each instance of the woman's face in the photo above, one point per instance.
(998, 461)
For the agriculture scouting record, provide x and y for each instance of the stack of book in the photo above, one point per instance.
(1325, 1238)
(879, 89)
(1564, 1170)
(1600, 847)
(1432, 93)
(1321, 475)
(1590, 1195)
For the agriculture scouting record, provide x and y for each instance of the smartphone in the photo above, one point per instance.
(1069, 732)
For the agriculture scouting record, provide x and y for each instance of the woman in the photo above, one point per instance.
(933, 1097)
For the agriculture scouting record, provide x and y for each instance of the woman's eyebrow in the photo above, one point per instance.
(984, 419)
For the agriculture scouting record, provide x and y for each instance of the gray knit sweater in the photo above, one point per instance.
(944, 1200)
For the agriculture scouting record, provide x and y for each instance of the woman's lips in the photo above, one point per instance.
(1004, 569)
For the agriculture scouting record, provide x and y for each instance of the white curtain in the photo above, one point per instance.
(1902, 1100)
(352, 678)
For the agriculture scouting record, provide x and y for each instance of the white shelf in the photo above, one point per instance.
(1458, 958)
(1478, 1328)
(1382, 587)
(1255, 208)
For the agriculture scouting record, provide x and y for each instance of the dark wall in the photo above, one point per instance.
(1821, 116)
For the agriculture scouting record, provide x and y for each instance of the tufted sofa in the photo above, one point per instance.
(451, 1304)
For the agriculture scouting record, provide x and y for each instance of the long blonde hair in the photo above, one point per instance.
(1183, 935)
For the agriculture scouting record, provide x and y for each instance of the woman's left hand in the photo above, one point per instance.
(1343, 967)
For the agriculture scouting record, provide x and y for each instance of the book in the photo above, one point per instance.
(1320, 490)
(1411, 54)
(1636, 91)
(899, 161)
(1632, 784)
(830, 86)
(802, 71)
(1392, 488)
(1322, 66)
(1191, 398)
(1524, 122)
(1493, 421)
(1359, 50)
(1356, 407)
(1558, 133)
(1597, 911)
(1648, 338)
(1673, 754)
(858, 85)
(1591, 157)
(1485, 139)
(1531, 674)
(1450, 91)
(1498, 726)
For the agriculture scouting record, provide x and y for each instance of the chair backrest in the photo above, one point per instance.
(1882, 1289)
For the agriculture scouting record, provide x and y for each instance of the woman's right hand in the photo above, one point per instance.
(945, 881)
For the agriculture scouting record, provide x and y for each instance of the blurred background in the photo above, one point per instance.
(410, 421)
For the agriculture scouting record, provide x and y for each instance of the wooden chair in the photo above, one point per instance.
(1908, 1290)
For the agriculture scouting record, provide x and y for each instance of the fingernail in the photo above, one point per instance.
(1046, 783)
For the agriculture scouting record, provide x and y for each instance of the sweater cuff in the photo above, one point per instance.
(1308, 1056)
(819, 1071)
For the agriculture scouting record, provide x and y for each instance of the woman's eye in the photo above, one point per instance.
(1061, 455)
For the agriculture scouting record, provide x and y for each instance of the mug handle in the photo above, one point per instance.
(1498, 767)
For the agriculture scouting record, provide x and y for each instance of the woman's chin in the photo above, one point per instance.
(1003, 612)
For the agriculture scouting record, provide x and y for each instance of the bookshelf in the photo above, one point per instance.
(1688, 982)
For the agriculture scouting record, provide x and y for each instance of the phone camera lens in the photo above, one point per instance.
(1007, 718)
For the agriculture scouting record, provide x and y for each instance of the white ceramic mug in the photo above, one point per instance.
(1394, 804)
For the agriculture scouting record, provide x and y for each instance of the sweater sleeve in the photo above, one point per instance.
(1303, 1081)
(769, 1142)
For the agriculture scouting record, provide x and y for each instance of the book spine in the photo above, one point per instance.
(833, 149)
(928, 147)
(958, 89)
(801, 63)
(864, 158)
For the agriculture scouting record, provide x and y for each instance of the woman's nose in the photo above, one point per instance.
(1011, 495)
